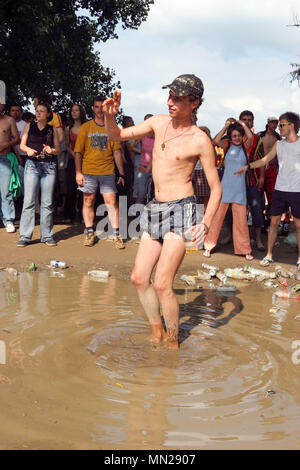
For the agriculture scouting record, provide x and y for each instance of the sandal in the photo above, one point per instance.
(207, 253)
(249, 257)
(266, 261)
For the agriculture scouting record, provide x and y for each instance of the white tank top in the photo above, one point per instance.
(288, 178)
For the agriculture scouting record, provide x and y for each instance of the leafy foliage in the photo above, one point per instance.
(48, 45)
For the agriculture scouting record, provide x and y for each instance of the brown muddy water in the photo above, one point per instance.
(77, 370)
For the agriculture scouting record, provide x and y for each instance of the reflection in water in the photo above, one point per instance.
(80, 367)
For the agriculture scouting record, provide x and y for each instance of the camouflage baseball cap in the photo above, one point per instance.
(186, 85)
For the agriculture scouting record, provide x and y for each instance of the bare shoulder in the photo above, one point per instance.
(7, 120)
(158, 120)
(201, 139)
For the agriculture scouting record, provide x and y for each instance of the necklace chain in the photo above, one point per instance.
(163, 145)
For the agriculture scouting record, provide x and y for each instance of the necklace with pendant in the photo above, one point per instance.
(163, 145)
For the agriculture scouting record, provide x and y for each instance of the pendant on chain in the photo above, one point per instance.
(163, 146)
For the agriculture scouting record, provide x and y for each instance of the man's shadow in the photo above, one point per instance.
(207, 308)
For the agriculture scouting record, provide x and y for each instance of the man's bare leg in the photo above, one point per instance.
(88, 212)
(110, 200)
(272, 235)
(171, 256)
(297, 226)
(146, 258)
(258, 239)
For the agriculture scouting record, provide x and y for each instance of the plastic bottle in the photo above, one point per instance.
(212, 269)
(188, 279)
(221, 276)
(99, 274)
(270, 283)
(58, 264)
(295, 288)
(237, 274)
(283, 272)
(224, 288)
(12, 271)
(203, 276)
(258, 272)
(282, 281)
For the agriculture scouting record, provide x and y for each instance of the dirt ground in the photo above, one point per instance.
(119, 262)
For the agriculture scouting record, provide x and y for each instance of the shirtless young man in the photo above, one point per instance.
(9, 136)
(269, 138)
(178, 145)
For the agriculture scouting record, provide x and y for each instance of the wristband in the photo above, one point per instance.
(248, 165)
(122, 176)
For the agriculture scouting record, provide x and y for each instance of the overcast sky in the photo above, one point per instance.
(241, 50)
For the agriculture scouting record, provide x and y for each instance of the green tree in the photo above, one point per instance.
(49, 45)
(295, 73)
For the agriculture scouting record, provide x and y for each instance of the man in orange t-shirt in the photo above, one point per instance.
(95, 158)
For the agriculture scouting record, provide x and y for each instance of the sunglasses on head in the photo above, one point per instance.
(282, 124)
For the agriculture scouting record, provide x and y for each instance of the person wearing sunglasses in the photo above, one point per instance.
(287, 187)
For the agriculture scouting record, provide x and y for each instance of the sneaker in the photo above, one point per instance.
(22, 243)
(89, 239)
(50, 242)
(119, 243)
(10, 228)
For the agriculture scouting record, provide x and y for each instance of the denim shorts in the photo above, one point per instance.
(106, 183)
(159, 218)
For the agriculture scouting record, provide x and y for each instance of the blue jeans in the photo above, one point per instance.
(21, 177)
(36, 174)
(254, 201)
(141, 186)
(7, 202)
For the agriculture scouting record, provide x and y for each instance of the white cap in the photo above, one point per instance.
(272, 118)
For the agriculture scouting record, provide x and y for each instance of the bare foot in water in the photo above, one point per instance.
(158, 334)
(172, 336)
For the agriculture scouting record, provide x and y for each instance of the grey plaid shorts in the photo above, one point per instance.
(159, 218)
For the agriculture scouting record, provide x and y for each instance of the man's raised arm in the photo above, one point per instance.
(110, 109)
(259, 163)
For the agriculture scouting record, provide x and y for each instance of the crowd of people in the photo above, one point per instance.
(63, 165)
(62, 160)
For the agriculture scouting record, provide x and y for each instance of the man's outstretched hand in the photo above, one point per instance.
(241, 170)
(111, 105)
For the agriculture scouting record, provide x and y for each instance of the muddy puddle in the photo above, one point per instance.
(77, 370)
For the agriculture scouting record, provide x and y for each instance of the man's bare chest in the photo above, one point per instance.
(268, 143)
(5, 133)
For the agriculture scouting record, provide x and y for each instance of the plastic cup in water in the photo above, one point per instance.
(99, 274)
(58, 264)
